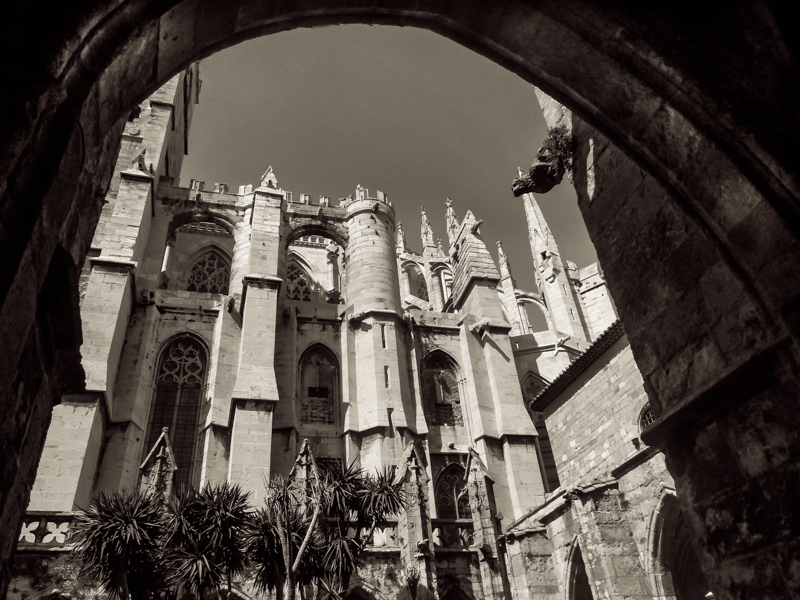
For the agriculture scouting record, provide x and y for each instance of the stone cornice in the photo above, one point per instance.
(112, 261)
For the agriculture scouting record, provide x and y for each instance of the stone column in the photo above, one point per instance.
(486, 531)
(414, 532)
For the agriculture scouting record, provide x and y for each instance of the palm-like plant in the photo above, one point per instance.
(206, 536)
(285, 544)
(359, 503)
(119, 542)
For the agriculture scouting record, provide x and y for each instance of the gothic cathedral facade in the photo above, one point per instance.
(243, 323)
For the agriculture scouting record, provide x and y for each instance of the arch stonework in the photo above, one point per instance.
(702, 98)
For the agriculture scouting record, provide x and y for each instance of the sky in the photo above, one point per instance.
(400, 110)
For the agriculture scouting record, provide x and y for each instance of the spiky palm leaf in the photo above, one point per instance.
(341, 491)
(225, 526)
(119, 541)
(380, 498)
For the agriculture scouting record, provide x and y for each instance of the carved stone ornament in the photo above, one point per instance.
(545, 173)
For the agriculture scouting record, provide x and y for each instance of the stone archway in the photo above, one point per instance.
(702, 98)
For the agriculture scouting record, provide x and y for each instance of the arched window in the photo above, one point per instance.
(211, 273)
(319, 374)
(675, 566)
(440, 395)
(450, 492)
(297, 286)
(176, 403)
(416, 282)
(579, 587)
(646, 417)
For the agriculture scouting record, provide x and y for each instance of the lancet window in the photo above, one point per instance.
(176, 402)
(450, 493)
(440, 394)
(416, 281)
(211, 273)
(319, 373)
(297, 285)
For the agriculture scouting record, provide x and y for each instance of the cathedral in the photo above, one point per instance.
(233, 325)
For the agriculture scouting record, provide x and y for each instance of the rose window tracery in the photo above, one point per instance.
(211, 273)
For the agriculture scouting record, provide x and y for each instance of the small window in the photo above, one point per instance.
(646, 417)
(386, 375)
(383, 335)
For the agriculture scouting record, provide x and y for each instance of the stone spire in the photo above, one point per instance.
(427, 232)
(539, 234)
(555, 277)
(452, 221)
(505, 268)
(401, 239)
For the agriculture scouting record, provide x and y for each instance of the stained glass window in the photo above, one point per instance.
(440, 395)
(452, 499)
(297, 287)
(211, 273)
(176, 402)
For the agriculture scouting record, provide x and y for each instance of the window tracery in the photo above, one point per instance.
(211, 273)
(531, 388)
(176, 402)
(319, 374)
(297, 286)
(451, 495)
(440, 394)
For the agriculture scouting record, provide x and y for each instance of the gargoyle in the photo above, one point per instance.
(545, 173)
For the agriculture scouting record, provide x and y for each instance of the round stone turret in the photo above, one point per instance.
(372, 280)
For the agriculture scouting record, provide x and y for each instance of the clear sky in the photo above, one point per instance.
(400, 110)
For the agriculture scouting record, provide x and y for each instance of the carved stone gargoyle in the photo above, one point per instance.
(545, 173)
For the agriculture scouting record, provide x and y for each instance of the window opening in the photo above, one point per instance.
(297, 287)
(646, 417)
(386, 376)
(176, 402)
(440, 393)
(452, 499)
(211, 273)
(319, 375)
(383, 335)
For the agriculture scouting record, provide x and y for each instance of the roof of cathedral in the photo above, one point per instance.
(603, 342)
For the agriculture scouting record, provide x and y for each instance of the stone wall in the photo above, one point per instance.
(593, 424)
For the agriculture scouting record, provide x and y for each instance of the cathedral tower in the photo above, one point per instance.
(375, 345)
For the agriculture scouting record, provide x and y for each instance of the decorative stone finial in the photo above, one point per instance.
(401, 238)
(427, 232)
(452, 221)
